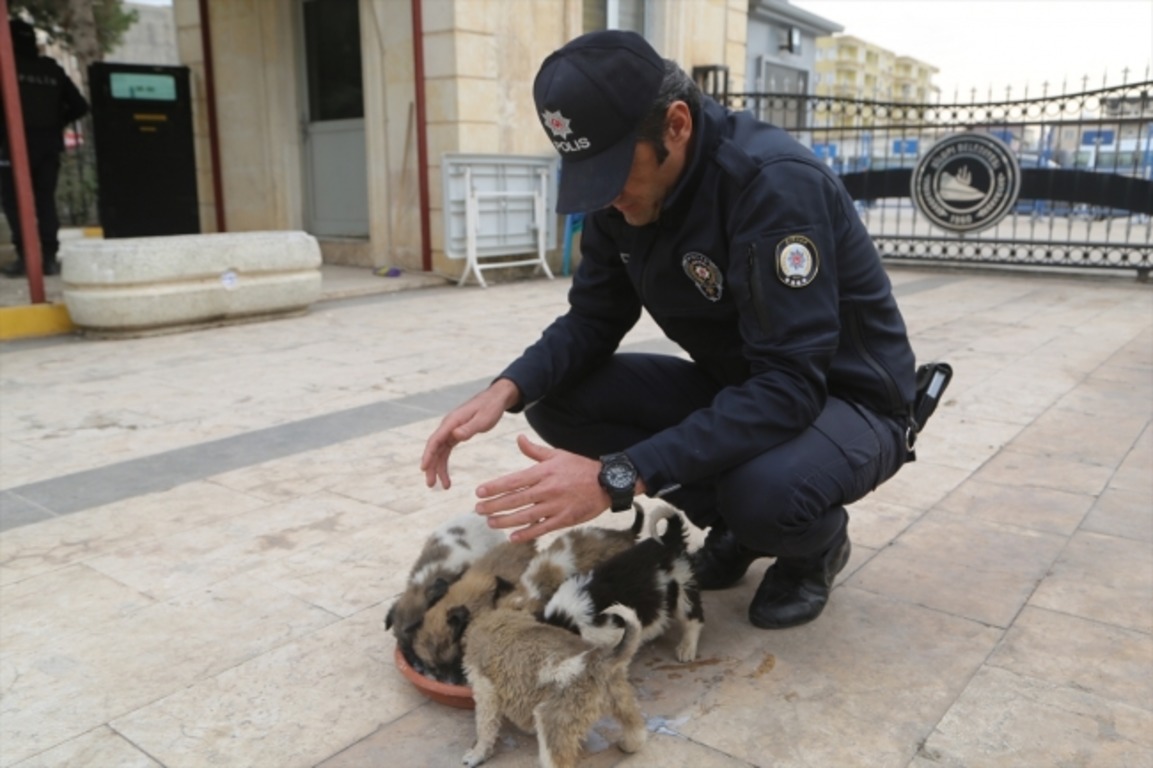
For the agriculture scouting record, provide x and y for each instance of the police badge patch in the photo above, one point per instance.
(797, 261)
(704, 274)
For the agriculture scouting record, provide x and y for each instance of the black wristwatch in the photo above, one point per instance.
(618, 476)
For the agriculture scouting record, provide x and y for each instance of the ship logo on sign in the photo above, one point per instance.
(966, 182)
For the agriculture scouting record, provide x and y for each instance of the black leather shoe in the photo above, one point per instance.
(51, 267)
(794, 590)
(15, 269)
(721, 561)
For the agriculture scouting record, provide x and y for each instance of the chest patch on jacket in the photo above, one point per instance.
(797, 261)
(704, 274)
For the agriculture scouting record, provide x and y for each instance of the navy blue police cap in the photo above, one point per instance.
(591, 96)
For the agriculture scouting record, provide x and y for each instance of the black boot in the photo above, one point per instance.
(794, 590)
(721, 561)
(51, 266)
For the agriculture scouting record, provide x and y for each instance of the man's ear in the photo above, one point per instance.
(678, 124)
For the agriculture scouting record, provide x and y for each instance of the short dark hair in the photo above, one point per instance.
(23, 38)
(676, 86)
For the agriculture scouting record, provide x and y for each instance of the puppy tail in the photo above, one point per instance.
(625, 618)
(638, 520)
(674, 538)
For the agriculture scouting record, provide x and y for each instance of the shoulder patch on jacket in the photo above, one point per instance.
(797, 261)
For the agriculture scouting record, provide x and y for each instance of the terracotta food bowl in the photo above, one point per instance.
(459, 696)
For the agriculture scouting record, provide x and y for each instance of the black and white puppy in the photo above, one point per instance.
(653, 577)
(574, 551)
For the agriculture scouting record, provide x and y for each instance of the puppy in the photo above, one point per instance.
(447, 552)
(654, 578)
(436, 645)
(574, 551)
(550, 682)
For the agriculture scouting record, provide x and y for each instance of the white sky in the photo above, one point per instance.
(983, 43)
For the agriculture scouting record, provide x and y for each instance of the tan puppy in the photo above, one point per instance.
(436, 644)
(447, 553)
(574, 551)
(550, 682)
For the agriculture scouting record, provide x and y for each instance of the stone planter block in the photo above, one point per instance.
(135, 286)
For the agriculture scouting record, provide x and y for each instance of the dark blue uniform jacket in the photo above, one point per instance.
(724, 274)
(49, 101)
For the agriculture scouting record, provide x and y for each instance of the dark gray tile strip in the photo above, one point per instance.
(160, 472)
(78, 491)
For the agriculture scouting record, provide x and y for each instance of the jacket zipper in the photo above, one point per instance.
(897, 405)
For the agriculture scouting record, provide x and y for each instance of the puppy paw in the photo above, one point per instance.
(474, 757)
(632, 742)
(690, 639)
(687, 651)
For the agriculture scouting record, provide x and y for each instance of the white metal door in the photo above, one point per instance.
(335, 162)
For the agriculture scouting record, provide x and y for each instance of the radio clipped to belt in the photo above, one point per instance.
(932, 380)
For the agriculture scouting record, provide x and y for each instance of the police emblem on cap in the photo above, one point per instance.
(797, 261)
(561, 128)
(704, 274)
(557, 123)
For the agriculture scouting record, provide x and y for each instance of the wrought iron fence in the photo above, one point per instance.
(1063, 180)
(76, 189)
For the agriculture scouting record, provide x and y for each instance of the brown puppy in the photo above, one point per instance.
(576, 550)
(447, 552)
(436, 644)
(550, 682)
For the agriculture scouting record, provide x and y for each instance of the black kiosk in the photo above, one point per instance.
(145, 162)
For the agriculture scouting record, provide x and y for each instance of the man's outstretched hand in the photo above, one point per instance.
(479, 414)
(560, 490)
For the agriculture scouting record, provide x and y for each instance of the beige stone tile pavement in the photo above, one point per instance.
(200, 535)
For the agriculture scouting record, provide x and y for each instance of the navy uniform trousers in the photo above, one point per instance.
(787, 502)
(44, 168)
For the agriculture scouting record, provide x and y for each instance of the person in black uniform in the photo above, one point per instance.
(793, 397)
(50, 101)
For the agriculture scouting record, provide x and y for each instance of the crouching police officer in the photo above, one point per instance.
(747, 252)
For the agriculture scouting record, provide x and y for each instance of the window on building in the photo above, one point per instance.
(614, 14)
(787, 108)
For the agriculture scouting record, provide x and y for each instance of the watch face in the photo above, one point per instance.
(620, 476)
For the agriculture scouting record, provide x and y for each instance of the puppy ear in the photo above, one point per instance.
(390, 617)
(503, 587)
(458, 618)
(436, 590)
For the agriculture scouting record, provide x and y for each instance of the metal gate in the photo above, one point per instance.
(1055, 181)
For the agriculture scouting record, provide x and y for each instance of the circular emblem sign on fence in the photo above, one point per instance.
(966, 182)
